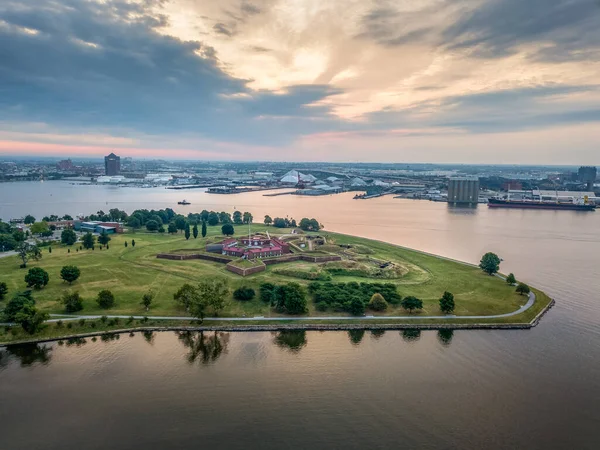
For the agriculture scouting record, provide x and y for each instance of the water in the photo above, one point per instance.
(476, 389)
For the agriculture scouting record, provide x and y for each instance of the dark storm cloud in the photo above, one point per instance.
(498, 27)
(104, 66)
(249, 8)
(562, 29)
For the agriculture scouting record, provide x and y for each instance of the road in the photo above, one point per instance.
(525, 307)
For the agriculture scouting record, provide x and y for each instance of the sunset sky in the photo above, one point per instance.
(479, 81)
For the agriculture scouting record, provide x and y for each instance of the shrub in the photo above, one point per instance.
(81, 322)
(59, 324)
(72, 302)
(103, 319)
(93, 324)
(447, 303)
(268, 292)
(244, 293)
(411, 303)
(510, 279)
(105, 299)
(69, 325)
(378, 303)
(130, 319)
(3, 290)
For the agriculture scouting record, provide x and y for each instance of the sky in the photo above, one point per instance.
(465, 81)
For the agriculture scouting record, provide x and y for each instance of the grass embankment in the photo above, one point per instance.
(130, 271)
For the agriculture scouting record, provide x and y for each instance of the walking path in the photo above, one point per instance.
(522, 309)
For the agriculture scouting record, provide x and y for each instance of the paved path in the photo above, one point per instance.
(5, 254)
(523, 308)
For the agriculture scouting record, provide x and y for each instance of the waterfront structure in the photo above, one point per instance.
(250, 247)
(463, 190)
(112, 165)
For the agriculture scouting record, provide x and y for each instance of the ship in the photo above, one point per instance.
(183, 202)
(534, 204)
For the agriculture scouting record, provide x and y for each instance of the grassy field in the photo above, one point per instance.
(130, 271)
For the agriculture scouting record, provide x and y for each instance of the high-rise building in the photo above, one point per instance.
(463, 190)
(65, 164)
(112, 165)
(587, 175)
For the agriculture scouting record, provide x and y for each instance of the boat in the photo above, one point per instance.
(183, 202)
(536, 204)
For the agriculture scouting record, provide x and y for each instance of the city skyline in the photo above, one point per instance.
(359, 81)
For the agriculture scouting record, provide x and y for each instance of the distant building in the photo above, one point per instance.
(252, 247)
(112, 165)
(512, 185)
(463, 190)
(65, 164)
(587, 175)
(98, 227)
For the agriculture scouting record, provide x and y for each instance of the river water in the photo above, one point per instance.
(474, 389)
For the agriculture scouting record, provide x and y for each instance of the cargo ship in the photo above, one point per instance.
(534, 204)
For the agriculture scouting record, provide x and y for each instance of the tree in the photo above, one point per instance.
(37, 278)
(134, 222)
(447, 302)
(225, 217)
(244, 293)
(268, 220)
(68, 236)
(3, 290)
(29, 219)
(67, 217)
(152, 225)
(213, 293)
(172, 228)
(125, 243)
(309, 224)
(185, 295)
(187, 231)
(105, 299)
(39, 227)
(490, 263)
(133, 242)
(19, 236)
(377, 302)
(7, 242)
(247, 218)
(278, 222)
(510, 279)
(104, 238)
(88, 240)
(410, 303)
(213, 218)
(204, 228)
(237, 217)
(523, 289)
(70, 273)
(27, 251)
(180, 222)
(195, 231)
(291, 298)
(227, 229)
(357, 306)
(268, 293)
(147, 299)
(30, 319)
(72, 301)
(15, 304)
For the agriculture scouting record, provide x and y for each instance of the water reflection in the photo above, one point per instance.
(377, 333)
(356, 336)
(445, 336)
(148, 336)
(411, 335)
(28, 354)
(292, 340)
(206, 348)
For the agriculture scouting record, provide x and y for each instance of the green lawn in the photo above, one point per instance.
(130, 271)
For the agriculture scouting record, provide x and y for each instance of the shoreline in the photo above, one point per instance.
(303, 327)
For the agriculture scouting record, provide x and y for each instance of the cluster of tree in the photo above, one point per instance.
(490, 264)
(113, 215)
(196, 299)
(21, 309)
(305, 224)
(287, 298)
(522, 288)
(10, 237)
(353, 297)
(279, 222)
(153, 220)
(239, 218)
